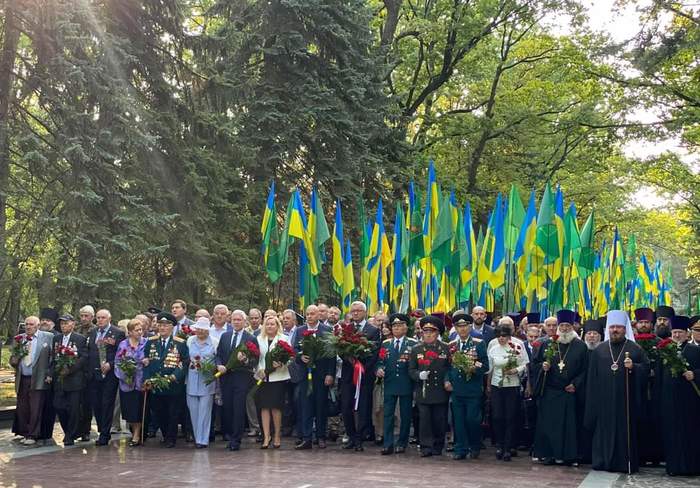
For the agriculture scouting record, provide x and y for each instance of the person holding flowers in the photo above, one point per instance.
(236, 363)
(68, 364)
(166, 360)
(201, 386)
(506, 363)
(272, 375)
(428, 367)
(128, 368)
(392, 369)
(466, 377)
(680, 394)
(559, 371)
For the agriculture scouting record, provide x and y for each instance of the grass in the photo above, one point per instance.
(7, 395)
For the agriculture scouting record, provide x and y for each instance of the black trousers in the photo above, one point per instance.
(168, 409)
(103, 394)
(289, 412)
(85, 416)
(364, 410)
(433, 425)
(233, 411)
(67, 405)
(505, 402)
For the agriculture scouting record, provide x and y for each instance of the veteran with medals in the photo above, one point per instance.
(466, 379)
(166, 358)
(617, 374)
(392, 368)
(559, 369)
(428, 368)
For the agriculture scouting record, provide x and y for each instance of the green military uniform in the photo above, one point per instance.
(398, 387)
(168, 357)
(466, 398)
(431, 396)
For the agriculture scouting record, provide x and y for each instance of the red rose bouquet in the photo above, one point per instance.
(20, 346)
(383, 354)
(65, 358)
(512, 359)
(127, 364)
(648, 342)
(250, 351)
(425, 362)
(282, 353)
(463, 361)
(350, 344)
(185, 332)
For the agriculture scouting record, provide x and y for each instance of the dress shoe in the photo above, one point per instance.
(459, 457)
(426, 453)
(303, 446)
(85, 438)
(499, 453)
(349, 445)
(400, 450)
(379, 440)
(548, 462)
(189, 438)
(387, 450)
(170, 444)
(322, 443)
(200, 446)
(234, 447)
(506, 456)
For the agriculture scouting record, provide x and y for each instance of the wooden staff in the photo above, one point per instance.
(627, 406)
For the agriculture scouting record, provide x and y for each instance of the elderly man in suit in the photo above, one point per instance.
(69, 381)
(103, 385)
(31, 359)
(234, 384)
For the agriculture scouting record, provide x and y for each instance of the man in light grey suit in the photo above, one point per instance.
(32, 379)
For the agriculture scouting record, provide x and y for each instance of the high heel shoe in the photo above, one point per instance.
(265, 444)
(277, 446)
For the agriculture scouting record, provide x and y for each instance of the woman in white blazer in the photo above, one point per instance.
(273, 387)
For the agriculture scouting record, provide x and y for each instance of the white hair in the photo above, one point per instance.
(358, 302)
(220, 306)
(87, 309)
(239, 312)
(506, 321)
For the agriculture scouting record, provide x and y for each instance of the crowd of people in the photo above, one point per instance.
(610, 392)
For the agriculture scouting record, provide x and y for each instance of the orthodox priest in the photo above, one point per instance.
(560, 367)
(680, 401)
(617, 374)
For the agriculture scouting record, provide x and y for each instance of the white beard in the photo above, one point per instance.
(592, 345)
(566, 337)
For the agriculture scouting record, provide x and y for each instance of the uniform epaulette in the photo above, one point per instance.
(477, 340)
(412, 340)
(386, 341)
(154, 338)
(178, 339)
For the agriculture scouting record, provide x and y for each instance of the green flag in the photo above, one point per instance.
(631, 260)
(442, 240)
(586, 259)
(547, 237)
(514, 219)
(274, 249)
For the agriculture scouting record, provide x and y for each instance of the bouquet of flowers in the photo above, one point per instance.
(184, 332)
(20, 346)
(281, 353)
(425, 362)
(463, 361)
(128, 366)
(551, 351)
(250, 351)
(512, 360)
(350, 344)
(204, 366)
(315, 347)
(648, 342)
(672, 357)
(65, 358)
(157, 383)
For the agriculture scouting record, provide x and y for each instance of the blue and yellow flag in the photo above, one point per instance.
(338, 267)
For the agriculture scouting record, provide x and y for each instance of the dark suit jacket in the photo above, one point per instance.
(374, 337)
(322, 368)
(74, 380)
(112, 339)
(223, 352)
(487, 333)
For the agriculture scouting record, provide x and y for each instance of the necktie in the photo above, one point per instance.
(162, 343)
(65, 340)
(397, 344)
(464, 346)
(235, 340)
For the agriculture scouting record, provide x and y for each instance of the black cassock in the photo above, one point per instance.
(681, 408)
(606, 405)
(556, 432)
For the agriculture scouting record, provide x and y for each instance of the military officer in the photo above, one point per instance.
(392, 366)
(428, 367)
(166, 356)
(467, 391)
